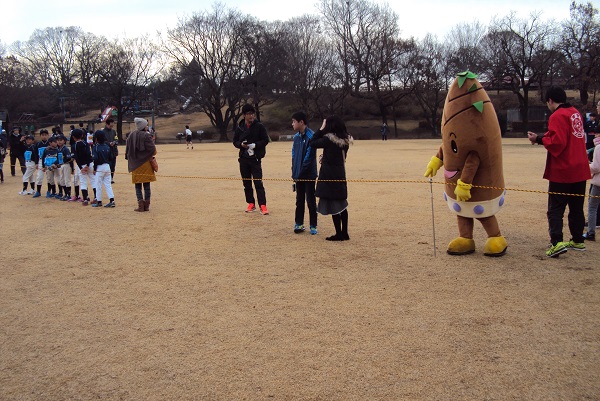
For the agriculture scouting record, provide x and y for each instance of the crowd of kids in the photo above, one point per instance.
(85, 163)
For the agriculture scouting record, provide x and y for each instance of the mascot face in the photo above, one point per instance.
(468, 123)
(470, 130)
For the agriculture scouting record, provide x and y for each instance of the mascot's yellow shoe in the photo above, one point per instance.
(495, 246)
(461, 246)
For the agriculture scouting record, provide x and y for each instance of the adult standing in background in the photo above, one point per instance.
(16, 144)
(332, 189)
(384, 131)
(112, 142)
(139, 152)
(591, 128)
(251, 139)
(567, 170)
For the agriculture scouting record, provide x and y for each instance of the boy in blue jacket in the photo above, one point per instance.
(304, 173)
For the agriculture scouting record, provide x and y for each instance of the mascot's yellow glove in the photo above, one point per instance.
(462, 191)
(433, 166)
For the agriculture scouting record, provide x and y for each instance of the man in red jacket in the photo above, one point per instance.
(567, 170)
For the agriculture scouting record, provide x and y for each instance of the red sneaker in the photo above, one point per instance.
(250, 208)
(263, 209)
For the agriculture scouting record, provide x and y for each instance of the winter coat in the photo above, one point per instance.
(333, 166)
(139, 149)
(304, 157)
(17, 146)
(256, 134)
(567, 160)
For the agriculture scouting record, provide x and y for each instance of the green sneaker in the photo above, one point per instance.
(576, 246)
(298, 228)
(555, 250)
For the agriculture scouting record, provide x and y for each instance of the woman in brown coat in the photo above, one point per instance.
(139, 152)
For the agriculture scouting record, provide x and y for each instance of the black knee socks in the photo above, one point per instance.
(344, 218)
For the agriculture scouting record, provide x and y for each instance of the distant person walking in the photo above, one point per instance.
(251, 139)
(188, 137)
(567, 170)
(139, 152)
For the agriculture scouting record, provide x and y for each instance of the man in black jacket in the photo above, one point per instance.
(16, 144)
(251, 139)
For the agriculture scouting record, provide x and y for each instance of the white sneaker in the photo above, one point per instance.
(30, 192)
(23, 193)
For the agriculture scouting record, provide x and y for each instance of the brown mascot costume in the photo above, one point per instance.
(471, 154)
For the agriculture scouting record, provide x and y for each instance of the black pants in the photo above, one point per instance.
(556, 210)
(147, 191)
(305, 191)
(13, 162)
(252, 168)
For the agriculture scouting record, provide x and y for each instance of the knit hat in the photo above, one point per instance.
(140, 123)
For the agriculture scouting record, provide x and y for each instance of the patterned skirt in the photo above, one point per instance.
(143, 173)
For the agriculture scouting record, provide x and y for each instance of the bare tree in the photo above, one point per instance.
(128, 68)
(581, 46)
(464, 47)
(264, 56)
(348, 21)
(310, 69)
(88, 62)
(50, 55)
(523, 46)
(430, 79)
(207, 49)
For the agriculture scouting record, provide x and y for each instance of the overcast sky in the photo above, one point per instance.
(131, 18)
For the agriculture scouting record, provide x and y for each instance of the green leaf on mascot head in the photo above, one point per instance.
(463, 76)
(473, 88)
(478, 106)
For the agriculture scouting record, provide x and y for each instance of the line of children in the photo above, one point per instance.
(53, 159)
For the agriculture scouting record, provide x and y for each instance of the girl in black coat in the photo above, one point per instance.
(331, 189)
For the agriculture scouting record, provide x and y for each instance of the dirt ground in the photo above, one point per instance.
(197, 300)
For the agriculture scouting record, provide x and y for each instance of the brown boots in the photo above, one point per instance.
(143, 206)
(140, 207)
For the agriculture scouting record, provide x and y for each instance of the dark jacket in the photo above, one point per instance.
(332, 165)
(66, 155)
(17, 147)
(304, 157)
(33, 156)
(256, 134)
(111, 137)
(82, 154)
(47, 154)
(102, 155)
